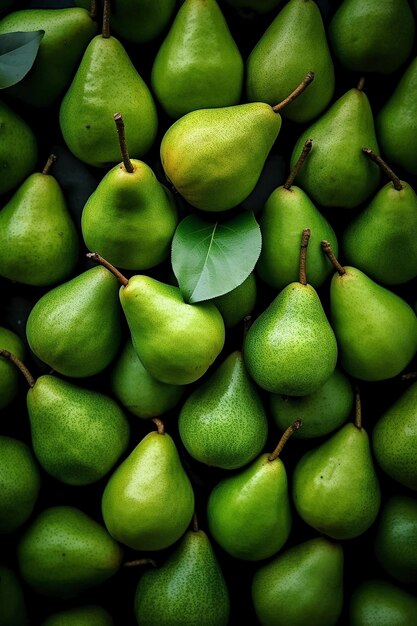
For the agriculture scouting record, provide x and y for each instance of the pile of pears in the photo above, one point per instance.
(250, 457)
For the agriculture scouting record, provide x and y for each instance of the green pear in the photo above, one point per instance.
(290, 348)
(148, 501)
(62, 326)
(394, 439)
(202, 153)
(89, 615)
(130, 217)
(294, 43)
(137, 390)
(386, 226)
(376, 329)
(305, 580)
(107, 82)
(187, 589)
(38, 240)
(18, 149)
(287, 211)
(238, 303)
(140, 21)
(337, 173)
(395, 122)
(12, 600)
(380, 603)
(67, 34)
(372, 36)
(20, 483)
(321, 412)
(9, 376)
(65, 552)
(223, 422)
(395, 538)
(184, 77)
(248, 513)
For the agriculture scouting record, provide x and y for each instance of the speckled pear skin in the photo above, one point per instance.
(77, 434)
(12, 600)
(187, 589)
(148, 501)
(202, 153)
(65, 552)
(381, 603)
(9, 374)
(18, 149)
(86, 116)
(80, 616)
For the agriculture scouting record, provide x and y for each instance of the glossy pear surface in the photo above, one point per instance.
(380, 603)
(9, 375)
(18, 149)
(89, 615)
(12, 600)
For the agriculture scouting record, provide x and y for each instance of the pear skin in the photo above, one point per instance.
(9, 376)
(13, 611)
(381, 603)
(18, 149)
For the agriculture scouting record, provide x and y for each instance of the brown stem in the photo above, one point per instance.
(93, 9)
(159, 424)
(361, 83)
(305, 152)
(139, 562)
(99, 259)
(294, 94)
(329, 252)
(105, 32)
(16, 361)
(384, 167)
(51, 160)
(409, 376)
(122, 142)
(358, 408)
(195, 523)
(302, 275)
(286, 435)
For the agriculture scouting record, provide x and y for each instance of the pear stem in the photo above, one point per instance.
(122, 142)
(305, 152)
(139, 562)
(329, 253)
(384, 167)
(361, 83)
(19, 364)
(286, 435)
(294, 94)
(93, 9)
(302, 276)
(99, 259)
(105, 32)
(160, 425)
(51, 160)
(195, 523)
(409, 376)
(358, 409)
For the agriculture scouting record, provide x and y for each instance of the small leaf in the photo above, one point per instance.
(17, 54)
(211, 259)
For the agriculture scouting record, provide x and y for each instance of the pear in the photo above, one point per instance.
(107, 82)
(394, 439)
(337, 173)
(65, 552)
(89, 615)
(13, 610)
(223, 422)
(371, 241)
(148, 501)
(62, 326)
(238, 303)
(38, 240)
(184, 77)
(140, 21)
(395, 122)
(130, 217)
(372, 36)
(202, 153)
(376, 329)
(380, 603)
(248, 513)
(20, 483)
(187, 589)
(18, 149)
(77, 434)
(137, 390)
(294, 42)
(314, 567)
(321, 412)
(290, 348)
(9, 376)
(335, 486)
(67, 34)
(287, 211)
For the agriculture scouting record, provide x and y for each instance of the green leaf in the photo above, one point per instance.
(17, 54)
(211, 259)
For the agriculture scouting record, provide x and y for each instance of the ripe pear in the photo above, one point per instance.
(9, 376)
(18, 149)
(140, 21)
(380, 603)
(290, 348)
(148, 501)
(89, 615)
(38, 240)
(65, 552)
(337, 173)
(184, 77)
(67, 34)
(223, 422)
(294, 43)
(187, 589)
(202, 153)
(376, 329)
(238, 303)
(130, 217)
(13, 610)
(305, 580)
